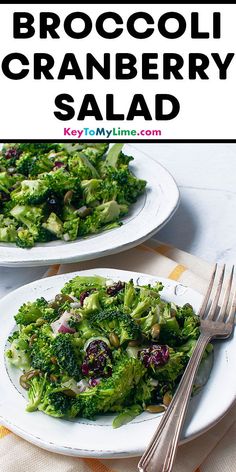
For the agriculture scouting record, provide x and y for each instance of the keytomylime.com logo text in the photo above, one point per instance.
(109, 133)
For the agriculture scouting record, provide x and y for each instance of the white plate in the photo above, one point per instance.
(146, 216)
(97, 438)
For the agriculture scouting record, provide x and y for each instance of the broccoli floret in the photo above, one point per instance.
(51, 399)
(40, 165)
(129, 186)
(92, 303)
(116, 322)
(94, 151)
(41, 350)
(91, 190)
(70, 229)
(142, 307)
(54, 225)
(44, 236)
(144, 392)
(146, 323)
(124, 160)
(67, 355)
(6, 182)
(8, 233)
(18, 354)
(59, 182)
(173, 368)
(80, 166)
(78, 284)
(24, 238)
(29, 312)
(87, 331)
(30, 216)
(30, 192)
(30, 164)
(109, 211)
(130, 296)
(58, 404)
(36, 392)
(188, 321)
(38, 148)
(115, 392)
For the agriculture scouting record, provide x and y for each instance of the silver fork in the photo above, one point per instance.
(216, 323)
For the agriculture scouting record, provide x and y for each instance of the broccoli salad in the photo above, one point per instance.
(102, 347)
(52, 191)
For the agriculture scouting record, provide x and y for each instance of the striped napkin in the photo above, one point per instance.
(214, 451)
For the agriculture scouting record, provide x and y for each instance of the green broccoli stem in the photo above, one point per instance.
(126, 416)
(113, 154)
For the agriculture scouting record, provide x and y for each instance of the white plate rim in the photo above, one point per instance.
(86, 452)
(119, 239)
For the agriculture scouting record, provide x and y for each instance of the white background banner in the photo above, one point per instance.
(206, 104)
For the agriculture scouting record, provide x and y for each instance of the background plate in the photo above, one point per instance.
(97, 438)
(146, 216)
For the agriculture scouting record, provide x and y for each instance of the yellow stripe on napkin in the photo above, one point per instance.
(4, 432)
(96, 466)
(177, 272)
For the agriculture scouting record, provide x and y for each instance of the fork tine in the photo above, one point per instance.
(214, 303)
(231, 316)
(226, 297)
(208, 293)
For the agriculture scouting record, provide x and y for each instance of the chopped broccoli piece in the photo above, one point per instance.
(70, 229)
(18, 354)
(29, 312)
(67, 355)
(54, 225)
(116, 322)
(80, 166)
(114, 392)
(110, 211)
(91, 190)
(8, 234)
(31, 192)
(6, 182)
(24, 238)
(113, 155)
(30, 216)
(78, 284)
(36, 393)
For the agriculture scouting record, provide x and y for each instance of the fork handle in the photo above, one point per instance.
(159, 455)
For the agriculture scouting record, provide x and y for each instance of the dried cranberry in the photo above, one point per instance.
(97, 360)
(12, 153)
(154, 356)
(4, 197)
(114, 289)
(58, 164)
(54, 204)
(84, 295)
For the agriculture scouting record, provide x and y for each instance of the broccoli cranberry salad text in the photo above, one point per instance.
(102, 346)
(62, 191)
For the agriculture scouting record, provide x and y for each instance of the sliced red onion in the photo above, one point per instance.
(94, 382)
(65, 328)
(82, 385)
(66, 237)
(61, 325)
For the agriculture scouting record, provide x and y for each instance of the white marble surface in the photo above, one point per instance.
(204, 224)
